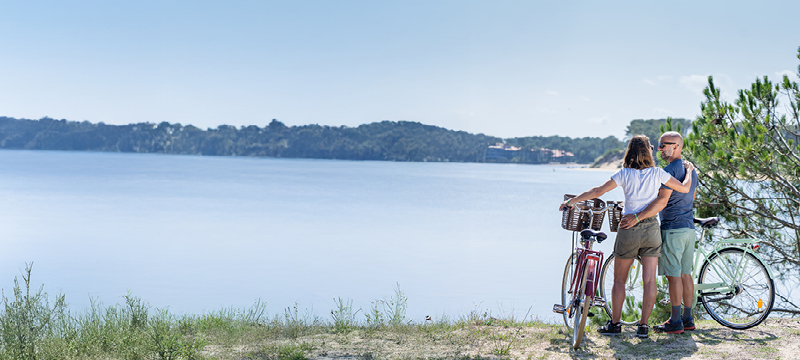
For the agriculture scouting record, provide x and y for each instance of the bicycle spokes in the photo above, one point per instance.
(735, 288)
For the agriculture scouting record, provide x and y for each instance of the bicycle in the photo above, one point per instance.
(734, 284)
(581, 277)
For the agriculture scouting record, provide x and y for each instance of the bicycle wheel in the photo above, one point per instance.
(581, 311)
(634, 291)
(754, 292)
(566, 296)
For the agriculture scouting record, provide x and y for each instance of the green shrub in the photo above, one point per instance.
(344, 320)
(28, 319)
(167, 341)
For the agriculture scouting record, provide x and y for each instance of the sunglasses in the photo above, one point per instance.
(664, 144)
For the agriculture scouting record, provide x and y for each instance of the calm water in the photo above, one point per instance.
(198, 234)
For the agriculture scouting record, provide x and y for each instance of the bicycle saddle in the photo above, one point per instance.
(707, 222)
(599, 235)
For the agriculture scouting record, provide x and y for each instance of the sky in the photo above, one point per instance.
(502, 68)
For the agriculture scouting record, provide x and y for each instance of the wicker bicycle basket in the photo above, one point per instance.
(575, 220)
(615, 215)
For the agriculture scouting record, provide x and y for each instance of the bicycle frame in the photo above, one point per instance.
(586, 261)
(591, 259)
(735, 273)
(580, 295)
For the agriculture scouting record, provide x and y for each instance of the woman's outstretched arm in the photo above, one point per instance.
(592, 193)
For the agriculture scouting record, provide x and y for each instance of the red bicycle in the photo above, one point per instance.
(582, 273)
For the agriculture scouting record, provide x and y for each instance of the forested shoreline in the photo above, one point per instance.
(386, 141)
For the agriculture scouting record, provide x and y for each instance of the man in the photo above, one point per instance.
(677, 236)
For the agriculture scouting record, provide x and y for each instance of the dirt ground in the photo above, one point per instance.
(776, 338)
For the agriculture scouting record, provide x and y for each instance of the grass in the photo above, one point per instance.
(35, 326)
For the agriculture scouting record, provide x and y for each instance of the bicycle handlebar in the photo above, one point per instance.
(586, 209)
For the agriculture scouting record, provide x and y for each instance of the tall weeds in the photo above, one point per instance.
(391, 311)
(28, 319)
(344, 318)
(34, 328)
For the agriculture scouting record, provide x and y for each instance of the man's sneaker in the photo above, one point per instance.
(642, 330)
(688, 324)
(670, 328)
(610, 329)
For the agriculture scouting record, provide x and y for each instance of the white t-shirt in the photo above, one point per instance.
(640, 186)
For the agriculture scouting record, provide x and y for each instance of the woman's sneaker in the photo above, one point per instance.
(642, 330)
(688, 324)
(670, 328)
(610, 329)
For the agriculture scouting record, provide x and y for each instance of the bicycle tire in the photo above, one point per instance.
(566, 297)
(581, 311)
(634, 291)
(739, 309)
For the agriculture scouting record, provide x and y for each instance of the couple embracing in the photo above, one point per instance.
(667, 248)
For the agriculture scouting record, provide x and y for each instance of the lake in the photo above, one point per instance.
(197, 234)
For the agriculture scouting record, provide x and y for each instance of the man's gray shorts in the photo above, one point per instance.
(677, 252)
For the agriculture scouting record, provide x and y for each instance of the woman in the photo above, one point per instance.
(640, 180)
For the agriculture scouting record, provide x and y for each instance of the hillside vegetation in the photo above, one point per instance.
(386, 140)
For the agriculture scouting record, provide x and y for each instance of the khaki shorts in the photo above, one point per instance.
(678, 252)
(643, 239)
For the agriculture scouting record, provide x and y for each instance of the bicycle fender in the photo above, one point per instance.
(755, 255)
(591, 276)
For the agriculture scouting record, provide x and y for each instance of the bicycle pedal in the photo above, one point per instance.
(598, 301)
(558, 308)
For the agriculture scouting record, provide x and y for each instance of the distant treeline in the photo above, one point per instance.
(386, 140)
(585, 150)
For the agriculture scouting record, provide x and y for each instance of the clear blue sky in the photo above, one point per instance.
(504, 68)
